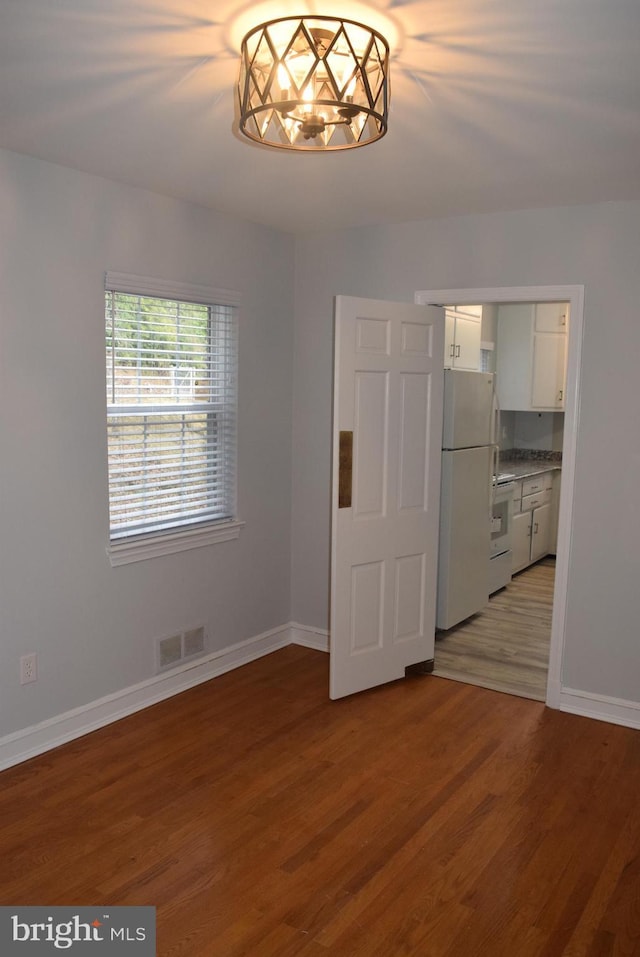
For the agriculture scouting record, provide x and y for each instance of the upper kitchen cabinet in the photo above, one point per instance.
(462, 337)
(531, 358)
(552, 316)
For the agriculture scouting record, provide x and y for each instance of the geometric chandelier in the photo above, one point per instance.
(314, 83)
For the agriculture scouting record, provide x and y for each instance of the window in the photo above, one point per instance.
(171, 364)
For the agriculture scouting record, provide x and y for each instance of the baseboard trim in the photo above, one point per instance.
(29, 742)
(601, 707)
(309, 637)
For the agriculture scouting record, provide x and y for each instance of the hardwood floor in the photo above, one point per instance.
(506, 646)
(426, 818)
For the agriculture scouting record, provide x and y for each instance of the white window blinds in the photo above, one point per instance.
(171, 408)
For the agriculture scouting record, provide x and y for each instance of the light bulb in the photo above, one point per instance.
(284, 79)
(307, 96)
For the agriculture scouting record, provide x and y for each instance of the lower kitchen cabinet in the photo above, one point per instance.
(540, 532)
(532, 526)
(521, 541)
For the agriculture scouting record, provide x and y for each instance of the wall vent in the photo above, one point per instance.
(193, 642)
(169, 651)
(175, 649)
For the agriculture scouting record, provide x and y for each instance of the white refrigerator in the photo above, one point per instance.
(465, 502)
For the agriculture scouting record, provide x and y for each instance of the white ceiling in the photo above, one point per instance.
(495, 105)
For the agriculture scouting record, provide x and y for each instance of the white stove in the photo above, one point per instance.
(500, 557)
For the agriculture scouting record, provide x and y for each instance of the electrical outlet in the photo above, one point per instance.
(28, 668)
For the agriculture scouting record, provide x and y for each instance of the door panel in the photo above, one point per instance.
(409, 597)
(370, 443)
(373, 336)
(388, 392)
(414, 438)
(367, 606)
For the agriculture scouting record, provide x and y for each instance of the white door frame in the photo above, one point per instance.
(575, 296)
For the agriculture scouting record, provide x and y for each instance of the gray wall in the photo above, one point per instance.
(593, 245)
(92, 625)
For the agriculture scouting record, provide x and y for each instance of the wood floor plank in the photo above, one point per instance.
(505, 647)
(427, 818)
(589, 935)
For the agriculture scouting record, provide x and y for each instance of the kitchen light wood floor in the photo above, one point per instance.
(506, 646)
(426, 818)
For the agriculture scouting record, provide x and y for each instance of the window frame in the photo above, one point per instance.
(145, 544)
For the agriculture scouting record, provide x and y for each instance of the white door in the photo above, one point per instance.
(387, 430)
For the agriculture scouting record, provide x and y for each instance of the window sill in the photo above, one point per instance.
(181, 540)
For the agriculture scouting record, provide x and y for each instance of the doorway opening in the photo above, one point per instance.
(505, 646)
(547, 579)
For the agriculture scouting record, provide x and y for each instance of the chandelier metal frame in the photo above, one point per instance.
(314, 83)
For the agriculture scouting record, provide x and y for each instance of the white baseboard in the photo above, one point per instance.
(29, 742)
(601, 707)
(309, 637)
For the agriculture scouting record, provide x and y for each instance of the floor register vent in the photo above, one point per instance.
(175, 649)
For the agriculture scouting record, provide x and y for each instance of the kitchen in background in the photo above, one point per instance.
(524, 345)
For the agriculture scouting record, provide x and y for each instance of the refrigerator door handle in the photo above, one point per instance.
(495, 438)
(493, 476)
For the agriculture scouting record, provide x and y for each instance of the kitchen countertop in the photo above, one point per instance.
(526, 468)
